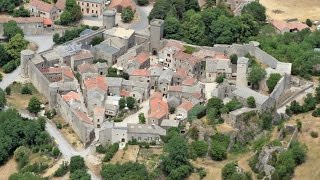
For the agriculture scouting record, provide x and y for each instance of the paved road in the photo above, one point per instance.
(10, 78)
(144, 12)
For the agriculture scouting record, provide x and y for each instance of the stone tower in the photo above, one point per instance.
(109, 18)
(26, 55)
(156, 34)
(242, 70)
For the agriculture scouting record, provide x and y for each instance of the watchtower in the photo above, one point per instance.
(156, 34)
(109, 18)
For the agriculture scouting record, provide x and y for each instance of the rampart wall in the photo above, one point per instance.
(40, 82)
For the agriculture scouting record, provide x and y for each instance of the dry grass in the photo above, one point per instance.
(68, 133)
(126, 155)
(310, 169)
(9, 168)
(150, 157)
(21, 101)
(286, 9)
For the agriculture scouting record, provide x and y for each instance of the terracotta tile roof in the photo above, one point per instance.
(83, 54)
(182, 73)
(156, 95)
(189, 81)
(175, 88)
(186, 106)
(66, 71)
(71, 96)
(99, 82)
(142, 57)
(186, 57)
(61, 4)
(122, 3)
(282, 25)
(203, 53)
(83, 116)
(22, 20)
(47, 21)
(124, 93)
(40, 5)
(140, 72)
(158, 108)
(86, 67)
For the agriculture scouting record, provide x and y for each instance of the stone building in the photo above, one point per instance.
(91, 7)
(145, 132)
(165, 80)
(61, 5)
(242, 71)
(41, 9)
(156, 31)
(84, 56)
(125, 36)
(183, 110)
(29, 25)
(159, 109)
(140, 75)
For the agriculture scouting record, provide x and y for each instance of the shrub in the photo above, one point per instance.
(96, 40)
(309, 22)
(316, 113)
(95, 28)
(272, 81)
(110, 152)
(59, 125)
(62, 170)
(21, 155)
(35, 168)
(127, 14)
(229, 171)
(202, 173)
(8, 90)
(55, 152)
(198, 148)
(197, 112)
(34, 105)
(219, 145)
(314, 134)
(26, 90)
(77, 163)
(251, 102)
(220, 78)
(234, 58)
(9, 66)
(100, 149)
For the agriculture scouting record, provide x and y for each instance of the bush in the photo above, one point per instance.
(34, 105)
(26, 90)
(233, 58)
(314, 134)
(110, 152)
(220, 78)
(21, 155)
(35, 168)
(95, 28)
(316, 113)
(100, 149)
(8, 90)
(59, 125)
(202, 173)
(96, 40)
(197, 112)
(309, 22)
(77, 163)
(55, 152)
(251, 102)
(9, 66)
(229, 171)
(198, 148)
(272, 81)
(62, 170)
(219, 145)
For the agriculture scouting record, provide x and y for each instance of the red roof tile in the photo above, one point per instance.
(99, 82)
(47, 21)
(186, 57)
(186, 106)
(158, 108)
(182, 73)
(189, 81)
(142, 57)
(71, 96)
(282, 25)
(99, 110)
(83, 117)
(124, 93)
(40, 5)
(175, 88)
(140, 72)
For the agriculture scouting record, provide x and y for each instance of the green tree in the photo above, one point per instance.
(266, 119)
(223, 30)
(62, 170)
(56, 38)
(128, 170)
(142, 119)
(256, 10)
(77, 163)
(159, 10)
(3, 100)
(21, 12)
(251, 102)
(256, 75)
(317, 96)
(10, 29)
(199, 148)
(172, 28)
(112, 72)
(4, 58)
(15, 46)
(71, 14)
(24, 176)
(130, 102)
(127, 14)
(122, 103)
(295, 107)
(230, 172)
(193, 28)
(80, 174)
(272, 81)
(26, 90)
(192, 5)
(220, 78)
(215, 103)
(234, 58)
(34, 105)
(310, 103)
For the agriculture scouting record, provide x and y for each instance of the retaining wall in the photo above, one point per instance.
(40, 82)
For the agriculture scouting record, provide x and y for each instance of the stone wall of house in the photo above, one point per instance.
(83, 130)
(282, 85)
(86, 39)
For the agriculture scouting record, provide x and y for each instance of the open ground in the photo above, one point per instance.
(288, 9)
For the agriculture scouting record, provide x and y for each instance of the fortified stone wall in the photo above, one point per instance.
(282, 85)
(84, 131)
(40, 82)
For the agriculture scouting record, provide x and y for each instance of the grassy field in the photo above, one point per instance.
(286, 9)
(20, 101)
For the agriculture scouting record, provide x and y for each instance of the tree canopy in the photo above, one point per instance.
(272, 81)
(129, 170)
(127, 15)
(71, 14)
(10, 29)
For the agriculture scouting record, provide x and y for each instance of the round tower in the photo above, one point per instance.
(109, 18)
(26, 55)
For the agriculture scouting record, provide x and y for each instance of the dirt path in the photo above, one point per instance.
(9, 168)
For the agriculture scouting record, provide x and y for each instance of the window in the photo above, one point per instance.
(98, 120)
(92, 11)
(168, 55)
